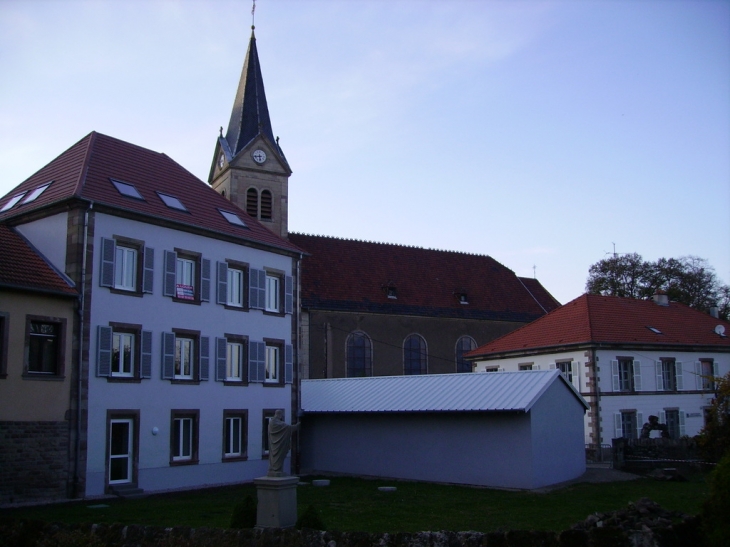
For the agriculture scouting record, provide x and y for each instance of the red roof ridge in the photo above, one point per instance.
(385, 243)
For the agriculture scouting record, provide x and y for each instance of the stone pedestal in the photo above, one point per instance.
(277, 502)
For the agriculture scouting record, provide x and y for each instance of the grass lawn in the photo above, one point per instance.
(351, 504)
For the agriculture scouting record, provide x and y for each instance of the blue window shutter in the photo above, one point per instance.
(221, 347)
(104, 351)
(168, 355)
(108, 250)
(637, 375)
(148, 275)
(204, 358)
(145, 370)
(256, 362)
(222, 283)
(256, 289)
(615, 376)
(288, 294)
(205, 280)
(168, 285)
(680, 380)
(288, 364)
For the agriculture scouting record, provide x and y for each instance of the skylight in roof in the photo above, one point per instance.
(232, 218)
(172, 202)
(654, 330)
(35, 193)
(13, 201)
(126, 189)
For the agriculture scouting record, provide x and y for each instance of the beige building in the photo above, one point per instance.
(37, 372)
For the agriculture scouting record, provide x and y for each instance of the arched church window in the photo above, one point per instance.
(414, 355)
(359, 355)
(464, 345)
(265, 205)
(252, 202)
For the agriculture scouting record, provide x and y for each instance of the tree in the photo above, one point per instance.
(714, 438)
(689, 279)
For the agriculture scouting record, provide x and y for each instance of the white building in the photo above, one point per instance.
(187, 323)
(628, 358)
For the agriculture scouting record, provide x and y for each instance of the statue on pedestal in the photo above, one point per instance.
(279, 443)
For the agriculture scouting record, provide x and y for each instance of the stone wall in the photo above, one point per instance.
(34, 461)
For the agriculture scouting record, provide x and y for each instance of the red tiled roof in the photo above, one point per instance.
(84, 171)
(594, 319)
(21, 267)
(344, 274)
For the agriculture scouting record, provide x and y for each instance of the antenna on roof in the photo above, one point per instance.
(253, 10)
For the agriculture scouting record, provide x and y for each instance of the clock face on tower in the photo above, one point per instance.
(259, 156)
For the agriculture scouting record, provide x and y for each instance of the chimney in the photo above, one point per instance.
(715, 312)
(660, 298)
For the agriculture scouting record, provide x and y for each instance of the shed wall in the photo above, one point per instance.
(464, 448)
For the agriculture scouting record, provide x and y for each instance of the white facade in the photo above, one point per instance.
(664, 383)
(201, 426)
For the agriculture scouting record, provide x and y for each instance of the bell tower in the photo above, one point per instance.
(249, 168)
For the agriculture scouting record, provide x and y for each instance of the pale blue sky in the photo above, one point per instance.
(537, 132)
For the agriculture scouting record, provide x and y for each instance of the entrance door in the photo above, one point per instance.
(120, 450)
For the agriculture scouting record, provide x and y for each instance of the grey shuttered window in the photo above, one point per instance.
(205, 280)
(104, 351)
(108, 249)
(168, 356)
(204, 362)
(148, 274)
(288, 364)
(145, 370)
(256, 289)
(221, 348)
(168, 285)
(256, 362)
(288, 294)
(221, 283)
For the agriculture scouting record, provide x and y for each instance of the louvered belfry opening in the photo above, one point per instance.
(252, 202)
(265, 205)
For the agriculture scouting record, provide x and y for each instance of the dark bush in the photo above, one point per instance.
(310, 519)
(716, 508)
(244, 514)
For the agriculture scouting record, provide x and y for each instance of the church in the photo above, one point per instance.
(368, 309)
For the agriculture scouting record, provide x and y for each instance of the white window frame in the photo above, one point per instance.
(234, 361)
(185, 274)
(233, 423)
(273, 359)
(125, 268)
(273, 285)
(117, 340)
(179, 449)
(234, 290)
(184, 358)
(128, 456)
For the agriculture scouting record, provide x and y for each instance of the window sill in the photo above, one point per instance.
(228, 459)
(185, 301)
(43, 377)
(274, 384)
(183, 382)
(123, 380)
(274, 313)
(236, 383)
(125, 292)
(235, 308)
(178, 463)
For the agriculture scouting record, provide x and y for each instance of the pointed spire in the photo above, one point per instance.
(250, 114)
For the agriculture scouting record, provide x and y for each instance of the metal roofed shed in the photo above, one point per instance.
(500, 429)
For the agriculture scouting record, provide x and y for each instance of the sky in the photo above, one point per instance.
(547, 135)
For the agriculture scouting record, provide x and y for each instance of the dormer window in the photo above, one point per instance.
(126, 189)
(172, 202)
(654, 330)
(13, 201)
(461, 297)
(35, 193)
(390, 291)
(233, 218)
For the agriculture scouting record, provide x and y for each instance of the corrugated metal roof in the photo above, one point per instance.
(477, 392)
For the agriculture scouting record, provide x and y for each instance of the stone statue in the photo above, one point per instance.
(279, 443)
(654, 425)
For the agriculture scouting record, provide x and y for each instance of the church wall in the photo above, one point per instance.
(328, 331)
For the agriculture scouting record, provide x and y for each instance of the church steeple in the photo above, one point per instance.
(249, 167)
(250, 114)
